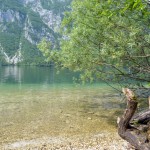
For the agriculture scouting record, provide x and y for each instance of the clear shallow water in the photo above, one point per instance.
(37, 102)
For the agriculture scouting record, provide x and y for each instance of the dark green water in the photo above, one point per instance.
(34, 75)
(37, 102)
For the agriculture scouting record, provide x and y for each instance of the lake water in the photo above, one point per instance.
(37, 102)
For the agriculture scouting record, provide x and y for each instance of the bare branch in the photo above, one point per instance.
(141, 56)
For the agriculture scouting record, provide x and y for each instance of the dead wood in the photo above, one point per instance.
(134, 129)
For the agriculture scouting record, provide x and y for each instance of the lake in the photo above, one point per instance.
(38, 102)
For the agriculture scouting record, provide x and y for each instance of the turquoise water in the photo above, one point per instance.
(37, 102)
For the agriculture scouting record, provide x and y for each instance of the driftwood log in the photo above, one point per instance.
(135, 129)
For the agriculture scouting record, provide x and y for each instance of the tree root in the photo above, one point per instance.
(135, 129)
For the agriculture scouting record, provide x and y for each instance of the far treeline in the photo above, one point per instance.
(107, 40)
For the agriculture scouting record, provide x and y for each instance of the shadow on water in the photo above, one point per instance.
(142, 104)
(103, 106)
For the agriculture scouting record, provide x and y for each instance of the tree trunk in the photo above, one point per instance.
(135, 129)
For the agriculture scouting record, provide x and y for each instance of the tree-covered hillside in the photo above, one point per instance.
(23, 23)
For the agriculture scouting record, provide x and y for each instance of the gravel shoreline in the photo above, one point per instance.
(103, 141)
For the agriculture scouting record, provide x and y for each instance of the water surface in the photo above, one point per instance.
(37, 102)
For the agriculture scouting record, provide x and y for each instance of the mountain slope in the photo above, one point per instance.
(23, 23)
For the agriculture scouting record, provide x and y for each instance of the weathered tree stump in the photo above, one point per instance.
(135, 129)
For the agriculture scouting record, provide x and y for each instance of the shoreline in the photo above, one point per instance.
(101, 141)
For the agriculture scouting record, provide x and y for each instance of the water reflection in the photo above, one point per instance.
(32, 75)
(11, 74)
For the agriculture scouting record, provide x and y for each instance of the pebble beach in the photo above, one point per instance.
(102, 141)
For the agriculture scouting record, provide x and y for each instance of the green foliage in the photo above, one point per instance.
(13, 5)
(31, 55)
(35, 20)
(139, 5)
(105, 40)
(57, 6)
(9, 42)
(2, 60)
(52, 55)
(11, 28)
